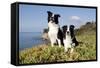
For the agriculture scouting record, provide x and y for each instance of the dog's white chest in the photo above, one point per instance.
(53, 26)
(52, 33)
(68, 42)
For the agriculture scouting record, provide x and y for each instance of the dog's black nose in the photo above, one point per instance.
(67, 32)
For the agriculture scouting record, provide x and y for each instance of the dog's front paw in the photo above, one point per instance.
(52, 45)
(59, 45)
(71, 51)
(66, 50)
(73, 44)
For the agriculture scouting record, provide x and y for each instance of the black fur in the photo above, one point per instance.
(56, 18)
(60, 36)
(72, 31)
(75, 41)
(64, 29)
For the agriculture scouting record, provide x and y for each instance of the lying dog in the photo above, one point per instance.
(55, 34)
(69, 37)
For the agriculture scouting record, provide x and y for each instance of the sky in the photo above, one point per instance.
(33, 18)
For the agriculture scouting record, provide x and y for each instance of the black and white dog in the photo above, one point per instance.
(69, 37)
(64, 37)
(55, 34)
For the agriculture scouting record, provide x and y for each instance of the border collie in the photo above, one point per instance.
(69, 37)
(55, 34)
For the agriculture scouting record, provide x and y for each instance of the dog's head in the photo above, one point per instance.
(68, 30)
(53, 17)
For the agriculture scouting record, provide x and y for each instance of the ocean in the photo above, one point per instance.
(29, 39)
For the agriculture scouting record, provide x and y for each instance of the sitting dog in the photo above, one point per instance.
(69, 37)
(55, 33)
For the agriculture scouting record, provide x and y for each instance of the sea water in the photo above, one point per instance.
(29, 39)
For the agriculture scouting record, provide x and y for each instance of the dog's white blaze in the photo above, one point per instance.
(52, 15)
(68, 29)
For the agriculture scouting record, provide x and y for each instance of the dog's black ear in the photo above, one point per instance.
(49, 15)
(72, 26)
(49, 12)
(58, 15)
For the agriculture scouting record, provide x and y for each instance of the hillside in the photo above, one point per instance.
(88, 28)
(86, 50)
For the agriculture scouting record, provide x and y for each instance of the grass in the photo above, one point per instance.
(86, 50)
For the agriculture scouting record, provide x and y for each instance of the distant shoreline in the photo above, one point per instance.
(34, 46)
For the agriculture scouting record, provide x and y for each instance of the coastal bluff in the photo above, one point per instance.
(45, 34)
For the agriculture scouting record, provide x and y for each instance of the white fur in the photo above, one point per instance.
(67, 43)
(53, 30)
